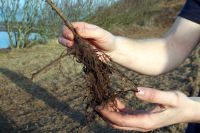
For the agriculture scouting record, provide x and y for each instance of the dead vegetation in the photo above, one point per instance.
(53, 102)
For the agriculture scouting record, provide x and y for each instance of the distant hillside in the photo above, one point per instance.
(129, 16)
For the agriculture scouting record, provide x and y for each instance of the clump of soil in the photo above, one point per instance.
(97, 73)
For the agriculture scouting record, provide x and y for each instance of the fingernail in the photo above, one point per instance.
(140, 91)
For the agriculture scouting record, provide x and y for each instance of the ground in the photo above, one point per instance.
(53, 102)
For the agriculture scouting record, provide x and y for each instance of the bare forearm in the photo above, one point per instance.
(159, 55)
(145, 56)
(195, 109)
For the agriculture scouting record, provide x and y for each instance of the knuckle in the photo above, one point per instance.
(177, 96)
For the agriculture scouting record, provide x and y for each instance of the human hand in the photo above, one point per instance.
(173, 107)
(99, 38)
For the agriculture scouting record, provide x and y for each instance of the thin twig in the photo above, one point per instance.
(69, 25)
(50, 64)
(62, 16)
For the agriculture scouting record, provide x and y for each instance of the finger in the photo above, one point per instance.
(141, 120)
(65, 42)
(128, 128)
(123, 108)
(67, 33)
(119, 106)
(169, 98)
(118, 118)
(158, 109)
(87, 31)
(83, 25)
(121, 128)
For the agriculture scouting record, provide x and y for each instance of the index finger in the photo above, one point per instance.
(67, 33)
(83, 25)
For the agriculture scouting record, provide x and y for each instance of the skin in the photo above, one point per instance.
(161, 55)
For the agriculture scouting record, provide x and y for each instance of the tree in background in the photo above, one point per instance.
(8, 11)
(19, 19)
(23, 18)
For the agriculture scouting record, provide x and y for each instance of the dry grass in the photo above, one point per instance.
(52, 102)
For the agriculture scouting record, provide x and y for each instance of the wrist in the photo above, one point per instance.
(113, 52)
(194, 109)
(118, 49)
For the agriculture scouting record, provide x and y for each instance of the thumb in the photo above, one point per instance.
(169, 98)
(87, 31)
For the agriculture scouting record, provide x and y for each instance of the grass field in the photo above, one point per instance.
(52, 102)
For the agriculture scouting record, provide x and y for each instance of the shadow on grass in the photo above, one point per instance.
(42, 94)
(6, 124)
